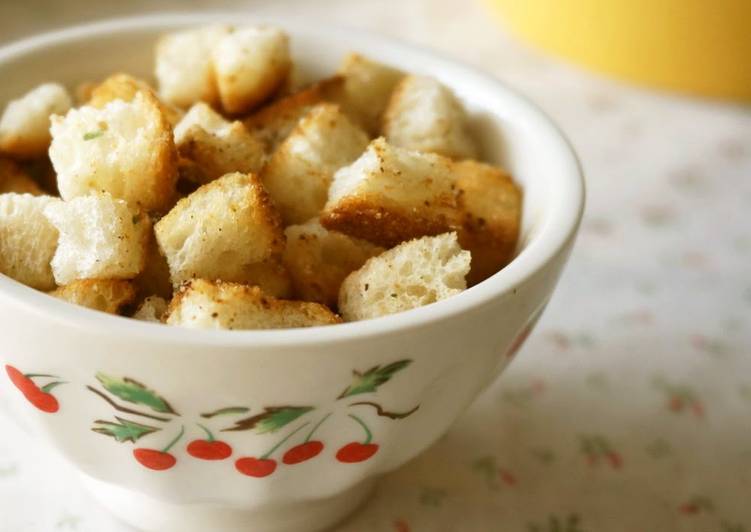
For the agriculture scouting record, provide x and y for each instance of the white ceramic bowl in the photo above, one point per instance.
(127, 380)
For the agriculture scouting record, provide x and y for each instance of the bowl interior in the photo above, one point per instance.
(511, 131)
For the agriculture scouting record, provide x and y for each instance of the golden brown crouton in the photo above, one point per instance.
(275, 121)
(202, 304)
(299, 172)
(124, 148)
(366, 90)
(250, 64)
(154, 279)
(125, 87)
(413, 274)
(105, 295)
(318, 260)
(25, 122)
(27, 239)
(151, 309)
(390, 195)
(14, 179)
(215, 145)
(221, 231)
(424, 115)
(490, 215)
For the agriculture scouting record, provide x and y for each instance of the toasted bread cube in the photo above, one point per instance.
(27, 240)
(274, 122)
(490, 205)
(154, 279)
(105, 295)
(411, 275)
(270, 276)
(151, 309)
(100, 238)
(424, 115)
(221, 231)
(250, 64)
(82, 92)
(319, 260)
(201, 304)
(367, 88)
(25, 123)
(42, 172)
(215, 145)
(184, 70)
(124, 148)
(125, 87)
(299, 172)
(14, 179)
(390, 195)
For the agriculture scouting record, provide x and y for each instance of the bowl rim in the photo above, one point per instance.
(553, 237)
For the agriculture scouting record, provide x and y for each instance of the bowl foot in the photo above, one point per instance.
(147, 513)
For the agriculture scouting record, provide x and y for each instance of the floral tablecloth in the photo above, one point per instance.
(629, 409)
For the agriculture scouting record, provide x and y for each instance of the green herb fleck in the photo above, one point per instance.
(93, 134)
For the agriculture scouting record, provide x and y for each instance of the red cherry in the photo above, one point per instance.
(615, 460)
(356, 452)
(46, 402)
(154, 459)
(301, 453)
(209, 450)
(255, 467)
(676, 404)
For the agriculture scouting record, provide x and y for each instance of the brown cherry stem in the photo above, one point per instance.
(384, 413)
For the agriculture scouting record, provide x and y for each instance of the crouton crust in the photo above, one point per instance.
(14, 179)
(124, 87)
(490, 216)
(203, 304)
(105, 295)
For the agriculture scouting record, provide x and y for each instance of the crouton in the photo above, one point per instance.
(125, 87)
(299, 172)
(14, 179)
(25, 123)
(424, 115)
(27, 239)
(100, 238)
(183, 66)
(390, 195)
(250, 64)
(202, 304)
(82, 92)
(274, 122)
(490, 216)
(221, 230)
(151, 309)
(413, 274)
(154, 279)
(271, 276)
(124, 148)
(366, 91)
(41, 171)
(105, 295)
(319, 260)
(215, 145)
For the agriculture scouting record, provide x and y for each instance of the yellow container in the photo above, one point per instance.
(696, 46)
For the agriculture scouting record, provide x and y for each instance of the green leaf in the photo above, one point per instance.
(134, 392)
(271, 419)
(226, 411)
(124, 430)
(370, 380)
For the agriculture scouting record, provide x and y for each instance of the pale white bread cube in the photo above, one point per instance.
(27, 239)
(151, 309)
(202, 304)
(124, 148)
(490, 206)
(424, 115)
(411, 275)
(100, 238)
(390, 195)
(183, 66)
(125, 87)
(250, 64)
(217, 146)
(105, 295)
(319, 260)
(223, 231)
(366, 91)
(299, 173)
(25, 123)
(14, 179)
